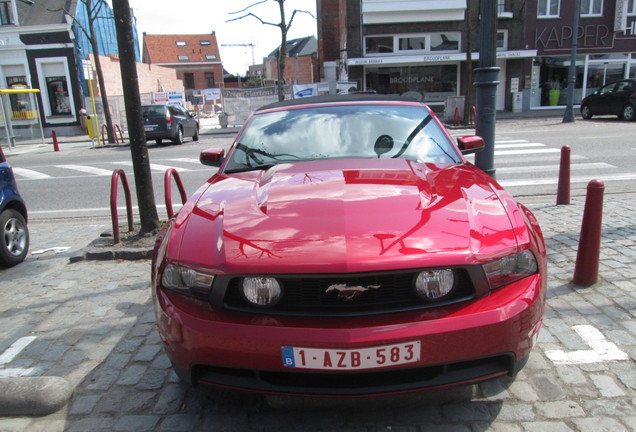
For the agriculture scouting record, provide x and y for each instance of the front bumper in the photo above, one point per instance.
(461, 344)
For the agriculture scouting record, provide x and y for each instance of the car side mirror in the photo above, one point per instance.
(470, 144)
(212, 157)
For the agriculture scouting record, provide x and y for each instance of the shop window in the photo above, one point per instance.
(57, 91)
(6, 14)
(21, 108)
(379, 44)
(433, 83)
(591, 7)
(188, 80)
(209, 80)
(548, 8)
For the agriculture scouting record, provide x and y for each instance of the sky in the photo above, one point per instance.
(205, 16)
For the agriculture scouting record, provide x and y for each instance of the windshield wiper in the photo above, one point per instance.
(246, 168)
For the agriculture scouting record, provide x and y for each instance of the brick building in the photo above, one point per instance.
(301, 65)
(196, 58)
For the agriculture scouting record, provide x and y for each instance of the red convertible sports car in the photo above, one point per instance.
(347, 248)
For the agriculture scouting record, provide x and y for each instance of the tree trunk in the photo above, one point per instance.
(282, 52)
(138, 149)
(100, 76)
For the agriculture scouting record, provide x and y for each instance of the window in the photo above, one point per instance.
(379, 44)
(502, 40)
(210, 57)
(57, 90)
(631, 7)
(188, 80)
(548, 9)
(6, 12)
(412, 43)
(445, 42)
(209, 80)
(205, 43)
(183, 58)
(591, 7)
(181, 43)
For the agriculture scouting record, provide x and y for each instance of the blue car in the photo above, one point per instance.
(14, 242)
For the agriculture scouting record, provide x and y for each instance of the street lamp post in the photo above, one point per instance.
(568, 115)
(486, 81)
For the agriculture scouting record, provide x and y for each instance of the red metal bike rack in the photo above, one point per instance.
(473, 115)
(171, 172)
(116, 129)
(113, 203)
(457, 117)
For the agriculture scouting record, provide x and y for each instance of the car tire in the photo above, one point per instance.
(179, 138)
(585, 112)
(158, 141)
(195, 137)
(14, 243)
(628, 113)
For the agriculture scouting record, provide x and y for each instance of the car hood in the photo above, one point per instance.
(343, 216)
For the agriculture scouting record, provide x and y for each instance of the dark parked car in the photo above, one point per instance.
(171, 122)
(347, 248)
(13, 218)
(617, 98)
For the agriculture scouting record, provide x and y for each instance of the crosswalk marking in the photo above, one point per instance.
(87, 169)
(188, 160)
(555, 180)
(30, 174)
(153, 166)
(541, 168)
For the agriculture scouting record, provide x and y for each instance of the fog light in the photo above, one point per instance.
(434, 284)
(261, 291)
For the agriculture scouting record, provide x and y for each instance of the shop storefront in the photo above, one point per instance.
(550, 76)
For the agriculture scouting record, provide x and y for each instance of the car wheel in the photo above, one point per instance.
(179, 138)
(585, 112)
(628, 112)
(158, 141)
(195, 137)
(15, 238)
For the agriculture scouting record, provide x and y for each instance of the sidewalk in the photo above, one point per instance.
(93, 326)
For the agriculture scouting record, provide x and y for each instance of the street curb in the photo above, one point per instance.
(101, 254)
(33, 396)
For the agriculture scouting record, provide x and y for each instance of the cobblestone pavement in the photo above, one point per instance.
(93, 325)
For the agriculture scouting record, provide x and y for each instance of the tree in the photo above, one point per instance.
(284, 28)
(92, 11)
(138, 149)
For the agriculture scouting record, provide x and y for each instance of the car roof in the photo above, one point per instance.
(349, 98)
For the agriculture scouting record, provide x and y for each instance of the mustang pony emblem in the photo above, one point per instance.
(349, 293)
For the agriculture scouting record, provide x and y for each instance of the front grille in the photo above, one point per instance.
(356, 383)
(306, 295)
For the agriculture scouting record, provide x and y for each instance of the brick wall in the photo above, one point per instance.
(151, 78)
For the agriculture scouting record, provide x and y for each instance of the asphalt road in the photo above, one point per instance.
(75, 182)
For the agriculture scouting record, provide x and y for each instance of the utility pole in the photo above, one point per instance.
(486, 81)
(568, 115)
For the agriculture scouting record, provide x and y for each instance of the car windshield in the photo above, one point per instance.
(341, 132)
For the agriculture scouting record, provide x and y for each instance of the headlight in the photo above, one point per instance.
(261, 291)
(187, 281)
(510, 268)
(434, 284)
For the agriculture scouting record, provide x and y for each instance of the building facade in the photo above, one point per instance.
(606, 47)
(42, 47)
(429, 48)
(195, 57)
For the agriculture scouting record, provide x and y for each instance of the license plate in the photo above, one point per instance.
(150, 128)
(352, 359)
